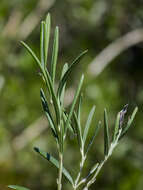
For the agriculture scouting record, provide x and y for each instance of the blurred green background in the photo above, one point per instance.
(84, 24)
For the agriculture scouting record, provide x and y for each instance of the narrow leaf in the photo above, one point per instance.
(42, 43)
(48, 114)
(66, 75)
(79, 108)
(95, 134)
(88, 123)
(129, 122)
(55, 162)
(94, 168)
(31, 53)
(78, 130)
(55, 54)
(54, 98)
(65, 68)
(117, 126)
(45, 74)
(106, 133)
(70, 125)
(17, 187)
(74, 102)
(47, 27)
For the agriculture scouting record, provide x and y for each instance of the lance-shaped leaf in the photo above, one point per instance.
(71, 128)
(32, 53)
(94, 168)
(55, 54)
(55, 162)
(88, 123)
(78, 130)
(17, 187)
(92, 171)
(66, 75)
(65, 68)
(47, 27)
(106, 134)
(74, 102)
(92, 139)
(117, 126)
(79, 109)
(38, 62)
(129, 122)
(42, 43)
(48, 114)
(56, 103)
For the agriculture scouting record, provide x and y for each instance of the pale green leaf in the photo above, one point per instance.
(78, 129)
(47, 27)
(116, 129)
(88, 123)
(95, 134)
(55, 54)
(42, 43)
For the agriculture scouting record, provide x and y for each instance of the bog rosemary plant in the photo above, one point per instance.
(61, 121)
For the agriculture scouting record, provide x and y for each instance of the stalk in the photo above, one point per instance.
(60, 171)
(112, 147)
(83, 158)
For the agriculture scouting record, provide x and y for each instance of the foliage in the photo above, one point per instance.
(61, 121)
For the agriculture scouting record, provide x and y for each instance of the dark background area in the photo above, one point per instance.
(84, 24)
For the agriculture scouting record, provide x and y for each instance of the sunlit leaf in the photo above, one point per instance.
(78, 130)
(65, 68)
(95, 134)
(117, 126)
(88, 123)
(47, 27)
(42, 43)
(55, 54)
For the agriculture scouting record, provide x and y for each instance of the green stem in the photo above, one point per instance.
(112, 147)
(60, 171)
(83, 157)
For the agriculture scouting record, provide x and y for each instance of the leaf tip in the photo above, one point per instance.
(36, 149)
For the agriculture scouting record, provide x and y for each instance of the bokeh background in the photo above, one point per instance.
(112, 31)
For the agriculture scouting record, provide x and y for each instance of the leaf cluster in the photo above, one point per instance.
(61, 120)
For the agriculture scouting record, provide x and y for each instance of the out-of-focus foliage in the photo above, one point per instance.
(91, 24)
